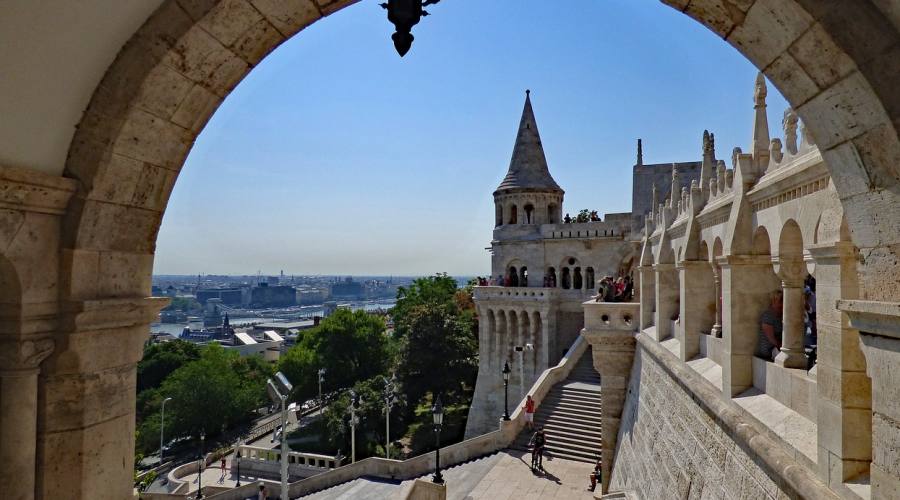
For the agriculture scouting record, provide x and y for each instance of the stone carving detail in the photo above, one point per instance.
(24, 354)
(790, 130)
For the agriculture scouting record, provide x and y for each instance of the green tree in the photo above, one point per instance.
(583, 216)
(162, 359)
(438, 291)
(370, 430)
(438, 338)
(210, 394)
(350, 345)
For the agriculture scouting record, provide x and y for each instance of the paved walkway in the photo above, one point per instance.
(501, 476)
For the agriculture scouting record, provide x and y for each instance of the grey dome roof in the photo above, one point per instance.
(528, 166)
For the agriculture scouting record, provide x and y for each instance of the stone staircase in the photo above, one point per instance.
(570, 415)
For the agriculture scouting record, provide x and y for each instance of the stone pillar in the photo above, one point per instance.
(666, 300)
(879, 334)
(746, 289)
(19, 361)
(697, 291)
(792, 354)
(844, 402)
(717, 280)
(612, 343)
(647, 287)
(85, 445)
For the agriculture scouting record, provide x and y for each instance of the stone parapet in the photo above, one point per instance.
(727, 448)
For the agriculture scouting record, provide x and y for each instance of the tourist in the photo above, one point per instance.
(628, 293)
(610, 295)
(263, 493)
(567, 219)
(771, 328)
(619, 289)
(596, 475)
(529, 412)
(810, 306)
(538, 441)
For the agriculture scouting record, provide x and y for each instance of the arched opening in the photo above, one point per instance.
(130, 229)
(523, 276)
(550, 279)
(512, 277)
(577, 282)
(513, 214)
(589, 278)
(566, 278)
(529, 214)
(552, 217)
(498, 217)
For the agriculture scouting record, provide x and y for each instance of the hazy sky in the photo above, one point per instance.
(336, 156)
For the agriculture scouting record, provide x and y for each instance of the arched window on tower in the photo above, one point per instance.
(529, 214)
(551, 214)
(499, 216)
(523, 276)
(513, 214)
(576, 280)
(550, 279)
(512, 276)
(589, 278)
(566, 279)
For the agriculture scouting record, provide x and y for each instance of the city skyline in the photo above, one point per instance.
(335, 156)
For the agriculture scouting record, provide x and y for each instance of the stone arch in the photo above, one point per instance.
(551, 277)
(552, 217)
(717, 248)
(760, 244)
(513, 214)
(498, 215)
(529, 213)
(130, 143)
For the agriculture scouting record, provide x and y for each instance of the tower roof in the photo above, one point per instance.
(528, 166)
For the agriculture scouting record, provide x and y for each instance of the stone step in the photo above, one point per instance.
(574, 397)
(589, 433)
(563, 404)
(572, 411)
(567, 420)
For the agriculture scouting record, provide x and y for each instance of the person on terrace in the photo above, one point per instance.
(771, 328)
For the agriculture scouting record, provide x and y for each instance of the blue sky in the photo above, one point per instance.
(336, 156)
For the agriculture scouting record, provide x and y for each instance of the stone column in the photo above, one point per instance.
(666, 300)
(85, 445)
(879, 334)
(696, 306)
(647, 287)
(612, 344)
(792, 354)
(746, 289)
(19, 361)
(844, 392)
(717, 280)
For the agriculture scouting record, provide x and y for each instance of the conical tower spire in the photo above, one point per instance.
(528, 166)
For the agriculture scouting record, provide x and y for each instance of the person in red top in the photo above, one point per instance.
(529, 412)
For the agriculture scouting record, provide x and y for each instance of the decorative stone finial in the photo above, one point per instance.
(789, 123)
(760, 93)
(527, 92)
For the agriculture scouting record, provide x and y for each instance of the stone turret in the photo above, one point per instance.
(761, 140)
(528, 194)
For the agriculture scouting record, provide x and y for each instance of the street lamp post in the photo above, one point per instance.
(162, 426)
(200, 465)
(321, 379)
(279, 388)
(390, 388)
(354, 420)
(237, 457)
(437, 413)
(506, 372)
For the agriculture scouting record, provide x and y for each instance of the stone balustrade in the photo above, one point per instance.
(611, 315)
(519, 294)
(266, 462)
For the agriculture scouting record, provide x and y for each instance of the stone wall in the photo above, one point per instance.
(671, 445)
